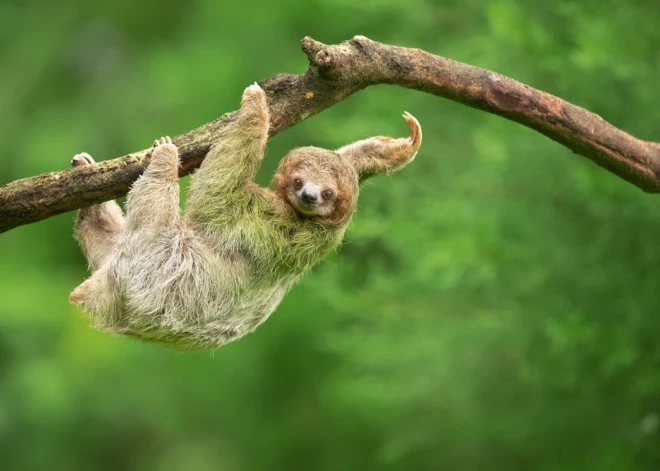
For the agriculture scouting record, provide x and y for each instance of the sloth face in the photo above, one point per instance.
(311, 196)
(318, 183)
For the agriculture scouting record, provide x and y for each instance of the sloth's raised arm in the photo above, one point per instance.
(234, 160)
(382, 154)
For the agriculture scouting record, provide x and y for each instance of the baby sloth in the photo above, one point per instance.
(214, 274)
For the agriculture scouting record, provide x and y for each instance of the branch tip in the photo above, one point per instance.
(311, 47)
(359, 39)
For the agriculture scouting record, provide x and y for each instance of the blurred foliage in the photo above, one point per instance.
(495, 306)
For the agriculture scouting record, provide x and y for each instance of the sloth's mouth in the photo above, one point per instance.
(306, 208)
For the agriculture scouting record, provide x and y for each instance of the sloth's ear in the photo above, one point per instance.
(384, 154)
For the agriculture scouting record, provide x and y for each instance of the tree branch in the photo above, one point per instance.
(336, 72)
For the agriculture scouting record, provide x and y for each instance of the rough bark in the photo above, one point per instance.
(336, 72)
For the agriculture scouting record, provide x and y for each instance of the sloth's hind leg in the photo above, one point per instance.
(97, 226)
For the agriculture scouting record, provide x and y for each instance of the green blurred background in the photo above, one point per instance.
(495, 306)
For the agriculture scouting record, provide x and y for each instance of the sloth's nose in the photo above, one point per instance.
(309, 195)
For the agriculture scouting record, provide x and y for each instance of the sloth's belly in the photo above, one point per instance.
(201, 307)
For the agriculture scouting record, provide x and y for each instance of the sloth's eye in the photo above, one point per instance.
(327, 194)
(297, 183)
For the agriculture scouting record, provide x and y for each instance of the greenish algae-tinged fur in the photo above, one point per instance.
(209, 276)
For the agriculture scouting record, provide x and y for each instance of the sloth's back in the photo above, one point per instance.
(176, 288)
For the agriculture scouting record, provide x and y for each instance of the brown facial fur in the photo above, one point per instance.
(324, 168)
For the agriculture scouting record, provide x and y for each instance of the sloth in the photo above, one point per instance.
(201, 279)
